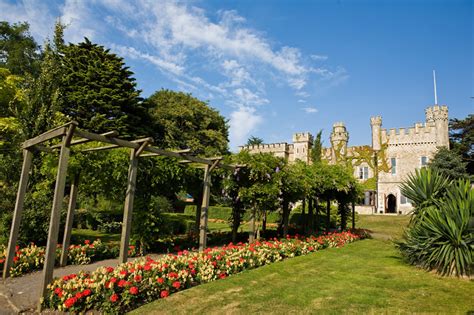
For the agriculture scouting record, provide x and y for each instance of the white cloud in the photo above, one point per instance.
(310, 110)
(301, 101)
(243, 123)
(35, 13)
(319, 57)
(77, 16)
(248, 98)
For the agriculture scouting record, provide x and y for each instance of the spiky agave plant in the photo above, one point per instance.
(444, 239)
(425, 187)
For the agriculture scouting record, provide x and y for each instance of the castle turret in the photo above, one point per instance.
(302, 144)
(376, 124)
(437, 116)
(339, 140)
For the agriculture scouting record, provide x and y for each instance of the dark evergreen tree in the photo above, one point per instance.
(99, 91)
(462, 139)
(316, 151)
(449, 163)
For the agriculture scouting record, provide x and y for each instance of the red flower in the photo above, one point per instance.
(137, 278)
(114, 297)
(70, 302)
(58, 291)
(176, 284)
(86, 292)
(147, 267)
(160, 280)
(113, 279)
(66, 278)
(164, 294)
(78, 295)
(2, 261)
(17, 247)
(87, 242)
(222, 276)
(134, 290)
(15, 259)
(109, 269)
(173, 275)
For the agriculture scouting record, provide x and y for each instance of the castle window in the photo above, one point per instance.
(404, 200)
(363, 172)
(424, 161)
(393, 163)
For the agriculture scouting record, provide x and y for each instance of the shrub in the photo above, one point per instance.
(444, 239)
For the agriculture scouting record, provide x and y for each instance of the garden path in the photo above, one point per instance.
(21, 294)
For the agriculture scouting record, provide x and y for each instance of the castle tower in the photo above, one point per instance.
(339, 140)
(376, 124)
(439, 114)
(302, 144)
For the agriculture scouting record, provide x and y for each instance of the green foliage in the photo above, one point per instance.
(449, 163)
(182, 121)
(462, 139)
(18, 50)
(254, 140)
(425, 187)
(100, 92)
(316, 150)
(444, 239)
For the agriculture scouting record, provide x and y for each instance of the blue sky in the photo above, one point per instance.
(278, 67)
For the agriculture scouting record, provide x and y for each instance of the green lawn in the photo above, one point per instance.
(79, 235)
(363, 277)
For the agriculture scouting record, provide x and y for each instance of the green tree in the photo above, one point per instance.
(254, 141)
(19, 52)
(100, 92)
(449, 163)
(462, 139)
(182, 121)
(316, 150)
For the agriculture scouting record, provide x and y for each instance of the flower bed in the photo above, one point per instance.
(31, 258)
(116, 290)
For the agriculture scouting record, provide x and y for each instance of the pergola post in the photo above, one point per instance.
(252, 224)
(69, 219)
(204, 208)
(128, 206)
(20, 199)
(50, 254)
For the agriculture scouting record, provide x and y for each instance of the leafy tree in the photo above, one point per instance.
(462, 139)
(182, 121)
(254, 140)
(100, 92)
(449, 163)
(19, 52)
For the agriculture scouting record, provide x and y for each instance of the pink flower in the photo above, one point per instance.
(176, 284)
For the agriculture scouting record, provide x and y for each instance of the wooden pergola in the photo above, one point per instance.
(70, 136)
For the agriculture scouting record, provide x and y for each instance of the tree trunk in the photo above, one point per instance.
(264, 222)
(252, 225)
(328, 215)
(343, 213)
(353, 215)
(309, 227)
(286, 215)
(317, 214)
(198, 211)
(235, 222)
(303, 216)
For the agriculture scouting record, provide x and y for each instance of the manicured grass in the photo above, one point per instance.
(363, 277)
(79, 235)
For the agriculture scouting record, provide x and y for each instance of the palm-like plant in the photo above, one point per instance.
(444, 239)
(424, 188)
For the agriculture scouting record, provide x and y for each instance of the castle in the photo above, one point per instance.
(382, 166)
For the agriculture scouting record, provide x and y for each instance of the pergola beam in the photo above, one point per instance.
(44, 137)
(85, 140)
